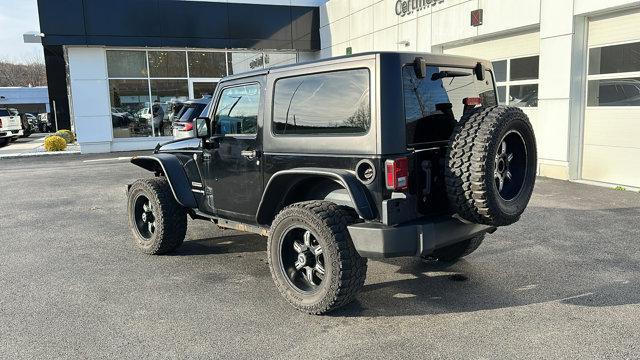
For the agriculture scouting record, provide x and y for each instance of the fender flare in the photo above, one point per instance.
(283, 181)
(172, 169)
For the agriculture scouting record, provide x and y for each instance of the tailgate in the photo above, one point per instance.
(11, 123)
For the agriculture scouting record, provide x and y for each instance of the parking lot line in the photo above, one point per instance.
(122, 158)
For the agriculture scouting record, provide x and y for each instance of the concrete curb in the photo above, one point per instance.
(38, 154)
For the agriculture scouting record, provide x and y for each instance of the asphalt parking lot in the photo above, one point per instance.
(564, 282)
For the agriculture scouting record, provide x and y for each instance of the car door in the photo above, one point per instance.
(232, 157)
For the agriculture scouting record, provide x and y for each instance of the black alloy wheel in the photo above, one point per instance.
(510, 165)
(144, 217)
(302, 259)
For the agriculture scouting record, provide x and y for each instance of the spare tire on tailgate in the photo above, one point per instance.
(491, 165)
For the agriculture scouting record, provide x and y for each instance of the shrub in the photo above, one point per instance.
(55, 143)
(67, 135)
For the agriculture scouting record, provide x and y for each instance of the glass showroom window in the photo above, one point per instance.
(169, 86)
(614, 75)
(130, 116)
(128, 73)
(517, 81)
(145, 89)
(148, 87)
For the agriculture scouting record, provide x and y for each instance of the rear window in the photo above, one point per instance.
(190, 112)
(321, 104)
(434, 104)
(4, 112)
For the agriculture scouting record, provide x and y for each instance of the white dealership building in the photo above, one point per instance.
(572, 65)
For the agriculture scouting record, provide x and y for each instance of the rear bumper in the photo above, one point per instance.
(417, 238)
(11, 133)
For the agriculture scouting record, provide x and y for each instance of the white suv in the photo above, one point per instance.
(10, 126)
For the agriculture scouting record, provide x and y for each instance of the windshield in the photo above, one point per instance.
(190, 112)
(434, 104)
(4, 112)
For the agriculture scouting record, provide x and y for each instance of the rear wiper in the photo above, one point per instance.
(449, 74)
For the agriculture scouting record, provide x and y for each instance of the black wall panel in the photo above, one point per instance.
(57, 86)
(178, 23)
(123, 18)
(195, 19)
(61, 17)
(259, 22)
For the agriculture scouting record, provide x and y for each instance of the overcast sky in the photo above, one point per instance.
(16, 18)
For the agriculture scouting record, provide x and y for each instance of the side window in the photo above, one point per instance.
(237, 111)
(319, 104)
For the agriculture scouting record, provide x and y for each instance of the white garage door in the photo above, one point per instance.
(611, 150)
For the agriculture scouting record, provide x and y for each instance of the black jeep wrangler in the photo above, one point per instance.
(374, 155)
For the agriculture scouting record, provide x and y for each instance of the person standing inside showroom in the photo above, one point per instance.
(158, 116)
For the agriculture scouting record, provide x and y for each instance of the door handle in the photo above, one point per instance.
(249, 154)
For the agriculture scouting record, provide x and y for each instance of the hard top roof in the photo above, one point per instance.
(436, 59)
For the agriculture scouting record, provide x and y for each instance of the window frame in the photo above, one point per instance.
(359, 134)
(508, 82)
(608, 76)
(212, 113)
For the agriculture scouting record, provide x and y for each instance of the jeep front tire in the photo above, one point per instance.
(312, 259)
(158, 222)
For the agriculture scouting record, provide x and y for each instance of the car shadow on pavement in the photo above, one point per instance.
(576, 257)
(229, 244)
(580, 257)
(435, 288)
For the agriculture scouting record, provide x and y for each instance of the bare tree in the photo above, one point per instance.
(361, 118)
(30, 73)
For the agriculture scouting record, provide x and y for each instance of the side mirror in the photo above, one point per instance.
(420, 67)
(480, 72)
(200, 127)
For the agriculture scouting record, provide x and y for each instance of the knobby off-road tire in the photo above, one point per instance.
(163, 226)
(486, 184)
(458, 250)
(296, 234)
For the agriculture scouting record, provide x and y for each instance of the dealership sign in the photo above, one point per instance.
(407, 7)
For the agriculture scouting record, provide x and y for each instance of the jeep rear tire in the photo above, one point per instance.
(491, 165)
(312, 259)
(157, 221)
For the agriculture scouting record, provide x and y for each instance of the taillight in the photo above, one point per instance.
(188, 127)
(0, 123)
(397, 174)
(472, 101)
